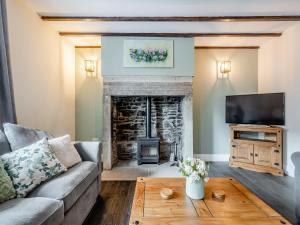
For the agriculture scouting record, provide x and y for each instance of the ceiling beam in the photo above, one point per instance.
(196, 47)
(88, 46)
(173, 18)
(226, 47)
(171, 34)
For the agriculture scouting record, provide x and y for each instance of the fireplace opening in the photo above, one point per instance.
(147, 136)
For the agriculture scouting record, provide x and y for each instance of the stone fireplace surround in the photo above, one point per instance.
(147, 86)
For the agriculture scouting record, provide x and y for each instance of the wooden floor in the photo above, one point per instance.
(114, 204)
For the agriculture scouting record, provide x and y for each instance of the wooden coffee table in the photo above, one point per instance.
(240, 207)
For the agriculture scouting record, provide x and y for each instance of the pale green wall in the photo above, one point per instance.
(112, 58)
(211, 133)
(89, 100)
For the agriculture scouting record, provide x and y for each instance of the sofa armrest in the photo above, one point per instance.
(90, 151)
(296, 161)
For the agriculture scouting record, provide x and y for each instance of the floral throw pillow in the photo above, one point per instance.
(7, 190)
(30, 166)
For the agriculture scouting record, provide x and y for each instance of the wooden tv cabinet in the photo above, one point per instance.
(257, 148)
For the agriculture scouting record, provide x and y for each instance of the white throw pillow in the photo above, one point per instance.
(65, 151)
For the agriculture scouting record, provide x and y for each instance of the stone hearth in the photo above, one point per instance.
(124, 105)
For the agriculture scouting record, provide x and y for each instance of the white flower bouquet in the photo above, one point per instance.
(149, 55)
(194, 169)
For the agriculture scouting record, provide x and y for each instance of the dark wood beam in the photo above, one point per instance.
(87, 46)
(226, 47)
(171, 34)
(196, 47)
(174, 18)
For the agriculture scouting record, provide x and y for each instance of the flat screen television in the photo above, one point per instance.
(262, 109)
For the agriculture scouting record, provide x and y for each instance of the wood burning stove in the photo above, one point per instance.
(148, 150)
(148, 147)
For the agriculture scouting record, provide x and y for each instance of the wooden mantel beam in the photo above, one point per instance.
(171, 34)
(173, 18)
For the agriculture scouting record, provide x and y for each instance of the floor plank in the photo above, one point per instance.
(114, 204)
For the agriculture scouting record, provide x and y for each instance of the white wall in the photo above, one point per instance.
(43, 72)
(279, 71)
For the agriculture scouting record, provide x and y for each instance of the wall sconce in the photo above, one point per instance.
(223, 69)
(90, 68)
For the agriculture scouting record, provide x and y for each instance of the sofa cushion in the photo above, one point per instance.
(4, 144)
(70, 185)
(31, 165)
(7, 190)
(29, 211)
(19, 136)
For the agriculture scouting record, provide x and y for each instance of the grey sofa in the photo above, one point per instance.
(64, 200)
(296, 161)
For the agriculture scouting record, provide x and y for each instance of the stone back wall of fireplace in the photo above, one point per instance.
(129, 123)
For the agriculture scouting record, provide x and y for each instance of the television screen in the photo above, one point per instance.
(263, 109)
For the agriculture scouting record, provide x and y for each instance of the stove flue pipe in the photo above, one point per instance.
(148, 118)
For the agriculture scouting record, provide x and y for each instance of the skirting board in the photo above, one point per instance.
(213, 157)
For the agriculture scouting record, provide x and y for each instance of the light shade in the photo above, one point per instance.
(89, 66)
(223, 69)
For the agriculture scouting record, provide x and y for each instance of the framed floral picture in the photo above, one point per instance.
(148, 53)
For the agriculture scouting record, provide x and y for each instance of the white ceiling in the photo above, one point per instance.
(231, 41)
(84, 40)
(166, 7)
(170, 8)
(203, 41)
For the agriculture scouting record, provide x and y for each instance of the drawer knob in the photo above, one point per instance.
(233, 146)
(277, 151)
(233, 157)
(276, 164)
(256, 155)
